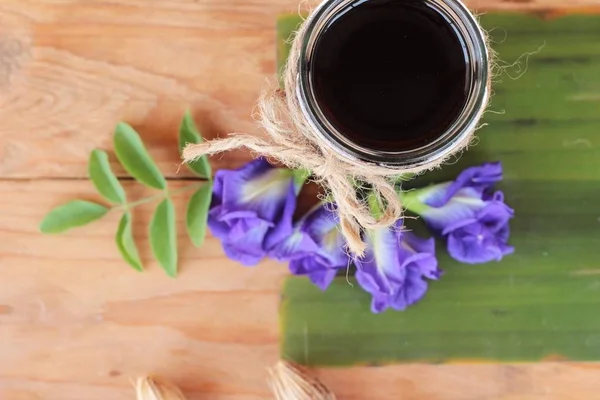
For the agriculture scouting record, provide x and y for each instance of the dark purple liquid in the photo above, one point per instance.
(390, 74)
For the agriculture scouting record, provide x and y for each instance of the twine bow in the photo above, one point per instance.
(292, 141)
(300, 148)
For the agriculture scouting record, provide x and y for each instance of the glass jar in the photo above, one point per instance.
(445, 141)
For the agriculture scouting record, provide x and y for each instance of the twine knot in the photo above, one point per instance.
(291, 140)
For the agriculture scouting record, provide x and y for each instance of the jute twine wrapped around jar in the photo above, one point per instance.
(291, 140)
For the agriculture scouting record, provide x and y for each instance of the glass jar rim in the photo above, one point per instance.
(478, 91)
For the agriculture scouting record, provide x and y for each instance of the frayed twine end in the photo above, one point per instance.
(291, 382)
(287, 381)
(153, 388)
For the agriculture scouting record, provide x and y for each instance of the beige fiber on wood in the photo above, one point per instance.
(152, 388)
(291, 382)
(286, 380)
(292, 141)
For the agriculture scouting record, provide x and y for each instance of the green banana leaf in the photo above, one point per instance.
(543, 302)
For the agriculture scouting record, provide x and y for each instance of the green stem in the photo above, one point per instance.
(374, 205)
(300, 176)
(407, 200)
(411, 202)
(163, 195)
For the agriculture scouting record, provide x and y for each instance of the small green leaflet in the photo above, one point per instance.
(71, 215)
(163, 237)
(188, 133)
(126, 243)
(134, 157)
(104, 179)
(197, 214)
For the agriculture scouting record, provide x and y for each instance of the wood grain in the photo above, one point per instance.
(72, 313)
(70, 70)
(75, 322)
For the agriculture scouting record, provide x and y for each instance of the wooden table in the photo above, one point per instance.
(75, 322)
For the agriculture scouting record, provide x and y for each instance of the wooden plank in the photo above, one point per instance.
(85, 65)
(79, 67)
(77, 323)
(549, 381)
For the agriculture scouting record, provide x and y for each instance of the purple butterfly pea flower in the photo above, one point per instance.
(316, 247)
(252, 209)
(395, 267)
(473, 219)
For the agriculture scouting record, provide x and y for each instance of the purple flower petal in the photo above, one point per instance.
(252, 209)
(483, 238)
(323, 226)
(425, 264)
(464, 205)
(305, 265)
(395, 268)
(284, 226)
(233, 181)
(495, 215)
(479, 178)
(323, 278)
(413, 291)
(295, 246)
(471, 248)
(366, 280)
(476, 244)
(381, 262)
(217, 197)
(248, 231)
(219, 228)
(414, 245)
(315, 247)
(316, 268)
(466, 212)
(380, 303)
(320, 221)
(245, 256)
